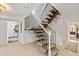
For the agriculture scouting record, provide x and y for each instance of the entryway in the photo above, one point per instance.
(73, 37)
(12, 31)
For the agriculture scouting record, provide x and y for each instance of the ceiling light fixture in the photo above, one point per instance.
(3, 8)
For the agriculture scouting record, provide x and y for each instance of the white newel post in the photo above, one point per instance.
(49, 35)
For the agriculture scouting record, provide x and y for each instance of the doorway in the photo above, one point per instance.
(73, 37)
(12, 31)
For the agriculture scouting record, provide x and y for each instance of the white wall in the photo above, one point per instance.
(68, 14)
(26, 36)
(60, 26)
(3, 32)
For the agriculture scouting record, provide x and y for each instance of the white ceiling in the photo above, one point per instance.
(19, 10)
(68, 9)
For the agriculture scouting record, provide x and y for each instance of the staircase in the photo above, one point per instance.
(42, 40)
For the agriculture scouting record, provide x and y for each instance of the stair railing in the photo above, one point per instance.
(48, 32)
(53, 30)
(51, 27)
(44, 19)
(39, 23)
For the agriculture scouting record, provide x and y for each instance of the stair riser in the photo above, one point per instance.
(39, 31)
(41, 44)
(39, 34)
(42, 38)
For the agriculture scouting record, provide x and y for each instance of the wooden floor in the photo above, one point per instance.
(65, 52)
(18, 49)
